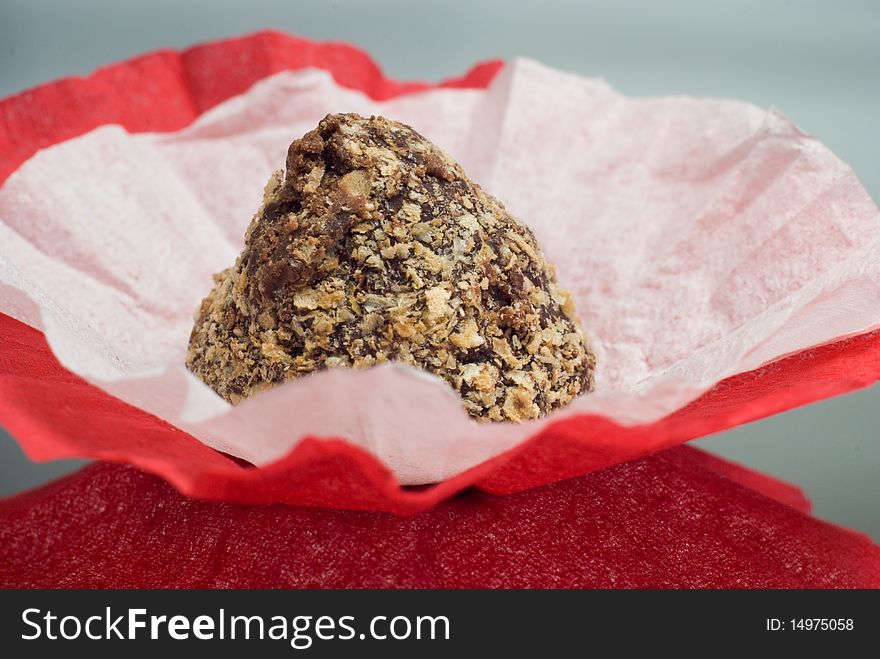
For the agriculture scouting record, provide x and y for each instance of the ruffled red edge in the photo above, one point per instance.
(55, 414)
(167, 90)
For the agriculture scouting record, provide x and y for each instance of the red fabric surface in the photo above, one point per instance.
(661, 521)
(770, 487)
(55, 414)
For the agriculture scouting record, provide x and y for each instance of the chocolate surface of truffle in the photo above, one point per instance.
(374, 246)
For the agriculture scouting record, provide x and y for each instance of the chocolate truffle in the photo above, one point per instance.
(374, 246)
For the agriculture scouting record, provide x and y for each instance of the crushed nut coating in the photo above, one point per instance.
(376, 247)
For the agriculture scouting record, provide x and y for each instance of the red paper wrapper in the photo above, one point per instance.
(55, 414)
(677, 519)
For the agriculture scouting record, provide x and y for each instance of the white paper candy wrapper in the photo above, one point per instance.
(701, 238)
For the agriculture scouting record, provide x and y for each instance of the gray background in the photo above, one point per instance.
(817, 62)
